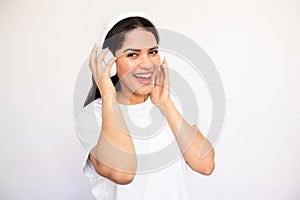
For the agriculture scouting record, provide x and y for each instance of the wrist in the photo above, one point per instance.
(166, 107)
(108, 96)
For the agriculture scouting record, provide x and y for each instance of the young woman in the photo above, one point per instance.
(141, 82)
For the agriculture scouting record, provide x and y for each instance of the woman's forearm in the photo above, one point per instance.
(114, 155)
(196, 149)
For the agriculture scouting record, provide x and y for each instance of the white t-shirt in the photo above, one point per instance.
(161, 168)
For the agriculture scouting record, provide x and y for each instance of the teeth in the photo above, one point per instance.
(142, 75)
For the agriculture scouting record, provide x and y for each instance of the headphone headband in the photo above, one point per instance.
(108, 26)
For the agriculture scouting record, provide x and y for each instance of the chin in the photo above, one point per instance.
(144, 90)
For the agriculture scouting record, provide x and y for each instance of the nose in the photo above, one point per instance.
(145, 61)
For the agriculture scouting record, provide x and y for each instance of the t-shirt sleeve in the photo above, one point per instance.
(96, 110)
(95, 115)
(88, 124)
(101, 187)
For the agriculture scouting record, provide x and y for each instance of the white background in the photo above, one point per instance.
(255, 46)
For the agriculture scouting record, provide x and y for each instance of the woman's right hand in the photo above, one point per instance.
(101, 74)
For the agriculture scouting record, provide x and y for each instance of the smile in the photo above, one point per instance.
(144, 76)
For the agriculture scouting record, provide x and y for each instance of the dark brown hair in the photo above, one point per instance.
(114, 41)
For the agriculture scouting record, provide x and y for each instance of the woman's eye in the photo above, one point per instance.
(132, 55)
(154, 52)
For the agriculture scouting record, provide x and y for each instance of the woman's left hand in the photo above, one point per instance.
(160, 94)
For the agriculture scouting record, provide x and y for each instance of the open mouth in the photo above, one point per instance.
(143, 76)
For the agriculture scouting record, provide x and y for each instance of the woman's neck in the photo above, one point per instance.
(130, 98)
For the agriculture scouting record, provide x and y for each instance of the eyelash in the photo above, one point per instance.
(154, 51)
(151, 52)
(131, 54)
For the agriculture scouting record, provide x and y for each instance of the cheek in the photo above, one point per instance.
(124, 67)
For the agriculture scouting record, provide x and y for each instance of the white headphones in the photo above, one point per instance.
(109, 26)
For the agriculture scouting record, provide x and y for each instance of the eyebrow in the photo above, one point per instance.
(130, 49)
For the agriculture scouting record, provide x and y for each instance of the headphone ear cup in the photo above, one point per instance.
(107, 58)
(113, 70)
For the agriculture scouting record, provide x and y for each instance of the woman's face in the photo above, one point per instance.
(136, 62)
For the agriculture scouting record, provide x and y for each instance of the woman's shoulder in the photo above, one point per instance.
(97, 103)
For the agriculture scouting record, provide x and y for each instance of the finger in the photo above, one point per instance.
(158, 77)
(164, 66)
(165, 70)
(165, 61)
(161, 76)
(154, 75)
